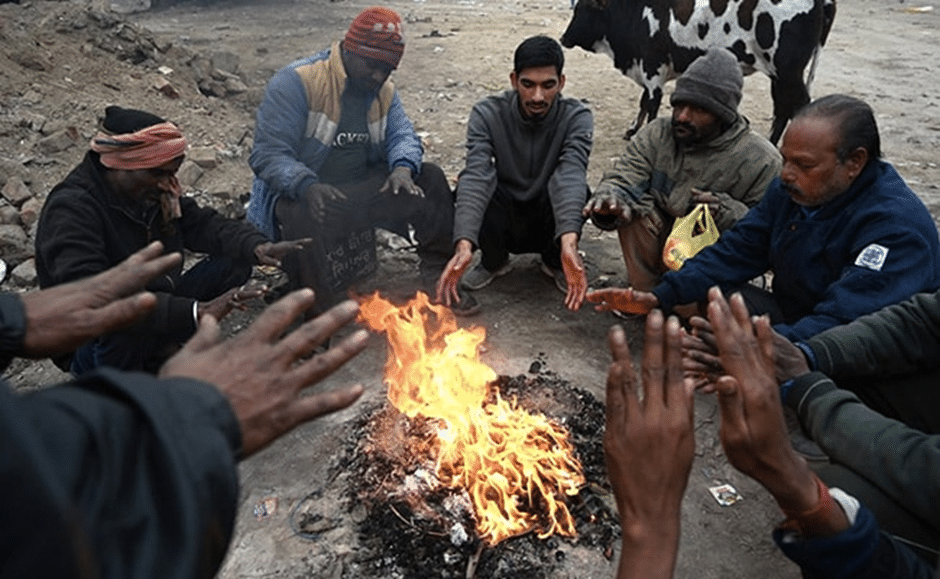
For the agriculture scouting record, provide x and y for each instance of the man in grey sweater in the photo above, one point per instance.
(525, 181)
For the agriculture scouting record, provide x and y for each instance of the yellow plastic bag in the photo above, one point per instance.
(690, 234)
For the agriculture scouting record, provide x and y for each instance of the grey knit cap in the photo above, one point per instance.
(713, 81)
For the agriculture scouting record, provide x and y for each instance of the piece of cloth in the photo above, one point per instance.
(900, 461)
(343, 248)
(115, 475)
(525, 160)
(655, 178)
(296, 125)
(872, 246)
(859, 552)
(713, 81)
(147, 148)
(376, 34)
(85, 228)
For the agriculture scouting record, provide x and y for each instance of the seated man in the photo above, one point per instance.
(840, 230)
(120, 474)
(123, 195)
(650, 446)
(335, 156)
(525, 179)
(707, 153)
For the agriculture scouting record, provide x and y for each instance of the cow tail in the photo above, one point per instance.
(829, 15)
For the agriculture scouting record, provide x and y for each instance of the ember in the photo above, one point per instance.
(516, 466)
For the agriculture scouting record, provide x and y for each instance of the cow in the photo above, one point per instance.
(653, 41)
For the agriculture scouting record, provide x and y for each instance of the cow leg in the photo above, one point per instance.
(789, 94)
(649, 108)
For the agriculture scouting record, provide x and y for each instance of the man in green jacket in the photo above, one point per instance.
(706, 153)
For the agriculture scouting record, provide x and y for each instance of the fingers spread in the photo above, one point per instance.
(653, 356)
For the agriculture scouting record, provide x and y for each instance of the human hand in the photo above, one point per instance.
(649, 445)
(709, 199)
(753, 432)
(622, 299)
(700, 355)
(233, 299)
(268, 253)
(62, 317)
(790, 360)
(262, 371)
(607, 211)
(400, 180)
(447, 284)
(573, 267)
(318, 195)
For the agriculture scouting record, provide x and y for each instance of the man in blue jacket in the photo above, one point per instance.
(335, 156)
(840, 230)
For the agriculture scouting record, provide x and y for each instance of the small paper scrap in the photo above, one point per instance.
(726, 495)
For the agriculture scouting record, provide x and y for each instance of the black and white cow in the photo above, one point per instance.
(652, 41)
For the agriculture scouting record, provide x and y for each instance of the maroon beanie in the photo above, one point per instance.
(376, 34)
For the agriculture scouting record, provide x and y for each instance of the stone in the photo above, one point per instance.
(9, 215)
(29, 212)
(15, 191)
(163, 85)
(58, 141)
(225, 61)
(189, 173)
(14, 245)
(205, 157)
(24, 274)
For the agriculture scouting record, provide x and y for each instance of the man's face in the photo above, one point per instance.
(365, 74)
(537, 87)
(147, 184)
(812, 173)
(691, 124)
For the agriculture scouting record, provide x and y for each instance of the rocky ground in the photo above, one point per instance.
(204, 66)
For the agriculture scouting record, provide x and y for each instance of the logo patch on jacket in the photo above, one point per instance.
(873, 257)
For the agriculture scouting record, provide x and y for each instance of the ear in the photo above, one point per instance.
(561, 83)
(856, 161)
(514, 80)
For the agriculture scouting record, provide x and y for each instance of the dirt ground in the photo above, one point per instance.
(458, 52)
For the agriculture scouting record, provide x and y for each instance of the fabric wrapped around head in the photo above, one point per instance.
(376, 34)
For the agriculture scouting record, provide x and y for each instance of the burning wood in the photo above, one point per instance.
(516, 466)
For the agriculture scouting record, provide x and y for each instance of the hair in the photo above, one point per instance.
(854, 119)
(120, 121)
(538, 51)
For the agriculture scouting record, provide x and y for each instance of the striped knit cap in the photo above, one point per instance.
(376, 34)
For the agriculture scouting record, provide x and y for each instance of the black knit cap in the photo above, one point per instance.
(120, 121)
(714, 82)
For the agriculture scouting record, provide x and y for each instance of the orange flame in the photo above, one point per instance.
(514, 465)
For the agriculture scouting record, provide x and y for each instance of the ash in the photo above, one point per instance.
(408, 527)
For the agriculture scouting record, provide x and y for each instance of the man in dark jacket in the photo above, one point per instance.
(525, 179)
(123, 195)
(840, 230)
(126, 475)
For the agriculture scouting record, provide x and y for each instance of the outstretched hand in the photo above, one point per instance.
(447, 284)
(61, 318)
(649, 446)
(269, 253)
(573, 266)
(753, 432)
(607, 211)
(622, 299)
(262, 371)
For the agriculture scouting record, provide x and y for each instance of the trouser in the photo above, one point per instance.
(146, 351)
(642, 241)
(343, 248)
(514, 227)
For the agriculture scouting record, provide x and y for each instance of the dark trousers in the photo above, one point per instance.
(147, 351)
(514, 227)
(343, 248)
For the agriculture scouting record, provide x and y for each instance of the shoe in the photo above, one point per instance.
(807, 448)
(479, 277)
(467, 306)
(558, 275)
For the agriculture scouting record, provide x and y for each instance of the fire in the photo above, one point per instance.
(515, 466)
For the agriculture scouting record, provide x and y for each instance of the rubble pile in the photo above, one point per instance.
(61, 64)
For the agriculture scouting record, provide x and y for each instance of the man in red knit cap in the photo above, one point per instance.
(335, 156)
